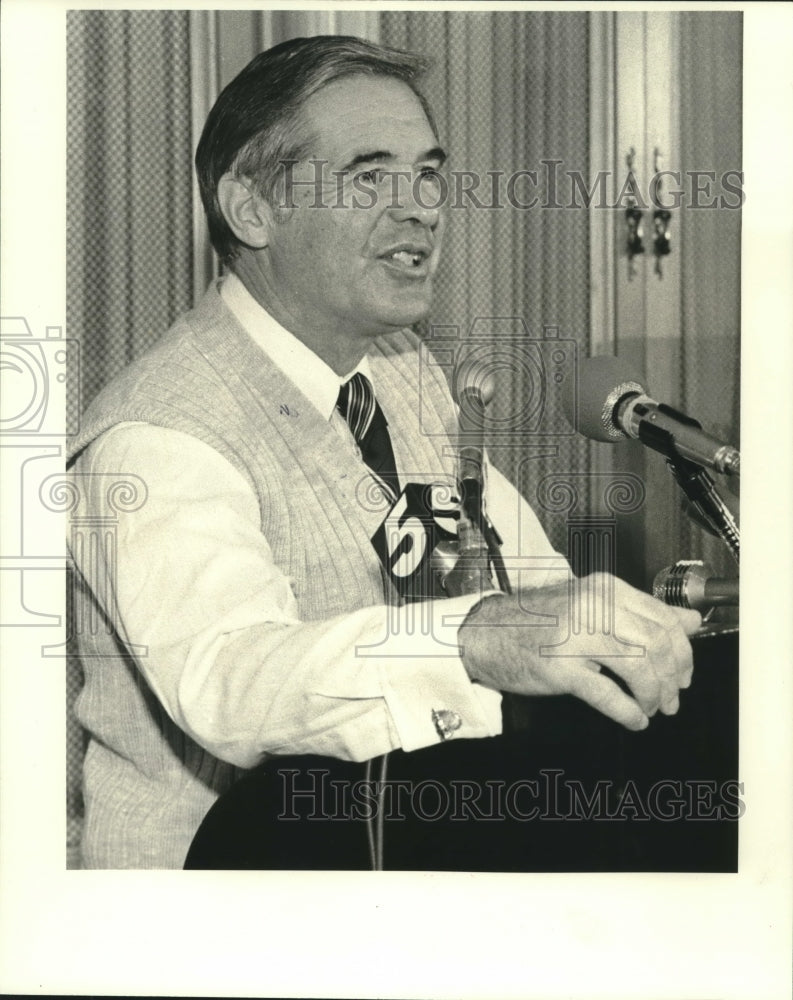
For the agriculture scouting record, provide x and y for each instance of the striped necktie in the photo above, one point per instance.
(358, 406)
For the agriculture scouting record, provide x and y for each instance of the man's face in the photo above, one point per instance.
(362, 263)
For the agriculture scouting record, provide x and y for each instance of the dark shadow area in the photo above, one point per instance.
(563, 790)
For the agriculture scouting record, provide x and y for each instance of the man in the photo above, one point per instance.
(253, 611)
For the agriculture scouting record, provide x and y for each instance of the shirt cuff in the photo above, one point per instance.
(427, 691)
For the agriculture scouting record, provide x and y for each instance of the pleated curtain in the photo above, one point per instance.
(510, 91)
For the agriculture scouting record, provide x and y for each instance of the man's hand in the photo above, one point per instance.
(512, 643)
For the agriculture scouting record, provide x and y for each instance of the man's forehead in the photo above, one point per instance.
(361, 113)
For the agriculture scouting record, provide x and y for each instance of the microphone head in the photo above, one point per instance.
(602, 385)
(480, 387)
(683, 585)
(473, 399)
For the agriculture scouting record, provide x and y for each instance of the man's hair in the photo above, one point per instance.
(255, 125)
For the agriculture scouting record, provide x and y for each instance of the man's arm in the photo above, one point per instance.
(227, 654)
(232, 663)
(539, 642)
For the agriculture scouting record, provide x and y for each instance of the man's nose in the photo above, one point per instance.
(413, 199)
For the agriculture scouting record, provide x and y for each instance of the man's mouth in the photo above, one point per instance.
(410, 258)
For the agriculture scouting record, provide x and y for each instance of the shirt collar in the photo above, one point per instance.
(315, 379)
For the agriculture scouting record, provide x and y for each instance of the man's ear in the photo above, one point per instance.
(247, 213)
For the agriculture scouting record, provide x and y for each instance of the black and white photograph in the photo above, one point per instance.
(375, 384)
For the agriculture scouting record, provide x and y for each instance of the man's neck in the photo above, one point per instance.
(341, 353)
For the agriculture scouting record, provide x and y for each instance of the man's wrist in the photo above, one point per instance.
(476, 608)
(469, 637)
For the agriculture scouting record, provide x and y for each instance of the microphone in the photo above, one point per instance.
(688, 584)
(471, 453)
(479, 542)
(614, 404)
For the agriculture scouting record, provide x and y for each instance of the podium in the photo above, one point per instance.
(563, 790)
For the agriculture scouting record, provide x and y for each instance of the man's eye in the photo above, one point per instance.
(372, 176)
(430, 178)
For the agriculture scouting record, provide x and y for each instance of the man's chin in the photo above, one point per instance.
(403, 323)
(405, 314)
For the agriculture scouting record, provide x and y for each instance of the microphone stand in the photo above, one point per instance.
(480, 543)
(473, 507)
(479, 549)
(699, 487)
(493, 542)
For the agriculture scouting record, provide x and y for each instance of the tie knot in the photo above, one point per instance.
(356, 404)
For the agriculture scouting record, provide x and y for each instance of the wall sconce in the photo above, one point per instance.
(661, 241)
(633, 222)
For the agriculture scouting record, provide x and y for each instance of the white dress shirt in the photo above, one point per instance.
(227, 654)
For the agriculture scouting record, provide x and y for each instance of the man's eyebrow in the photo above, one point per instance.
(383, 155)
(436, 153)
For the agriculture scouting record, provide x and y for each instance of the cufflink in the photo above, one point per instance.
(446, 722)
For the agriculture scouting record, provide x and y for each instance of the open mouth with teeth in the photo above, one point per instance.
(410, 259)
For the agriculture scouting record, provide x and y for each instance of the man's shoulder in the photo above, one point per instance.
(180, 336)
(178, 358)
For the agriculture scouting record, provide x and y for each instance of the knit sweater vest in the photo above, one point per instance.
(147, 784)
